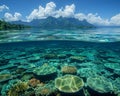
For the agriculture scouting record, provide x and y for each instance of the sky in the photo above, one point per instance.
(100, 12)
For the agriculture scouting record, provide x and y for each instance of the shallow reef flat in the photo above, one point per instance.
(60, 68)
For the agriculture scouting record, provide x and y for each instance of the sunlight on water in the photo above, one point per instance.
(93, 35)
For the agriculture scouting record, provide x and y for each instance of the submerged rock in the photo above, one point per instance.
(69, 83)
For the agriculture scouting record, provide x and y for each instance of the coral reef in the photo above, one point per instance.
(33, 59)
(78, 59)
(45, 90)
(86, 72)
(34, 82)
(4, 67)
(45, 72)
(69, 70)
(5, 75)
(62, 56)
(69, 83)
(116, 85)
(112, 66)
(14, 88)
(50, 56)
(29, 71)
(100, 84)
(18, 89)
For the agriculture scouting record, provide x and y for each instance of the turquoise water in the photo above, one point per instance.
(92, 34)
(60, 62)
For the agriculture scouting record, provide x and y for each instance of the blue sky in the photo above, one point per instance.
(101, 12)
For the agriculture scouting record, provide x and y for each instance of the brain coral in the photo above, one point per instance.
(34, 82)
(69, 70)
(69, 83)
(18, 89)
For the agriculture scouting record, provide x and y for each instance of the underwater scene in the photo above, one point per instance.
(60, 68)
(60, 48)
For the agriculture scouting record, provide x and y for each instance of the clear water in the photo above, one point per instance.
(93, 34)
(96, 63)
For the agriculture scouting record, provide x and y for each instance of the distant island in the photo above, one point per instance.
(49, 22)
(52, 22)
(7, 26)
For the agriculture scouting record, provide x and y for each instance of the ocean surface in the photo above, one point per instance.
(93, 34)
(60, 62)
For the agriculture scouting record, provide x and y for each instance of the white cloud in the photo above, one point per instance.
(41, 12)
(115, 20)
(50, 10)
(67, 11)
(92, 18)
(96, 19)
(9, 17)
(3, 7)
(80, 16)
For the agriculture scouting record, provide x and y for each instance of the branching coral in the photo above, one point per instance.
(17, 89)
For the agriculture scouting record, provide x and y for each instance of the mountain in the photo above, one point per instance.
(60, 22)
(20, 22)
